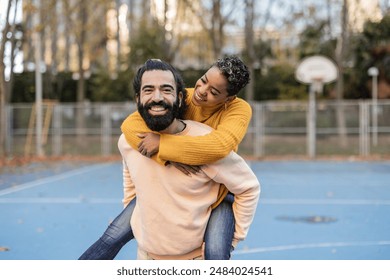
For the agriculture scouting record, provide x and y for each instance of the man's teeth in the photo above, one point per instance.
(157, 108)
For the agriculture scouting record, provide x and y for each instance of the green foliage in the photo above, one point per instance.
(265, 86)
(105, 88)
(313, 41)
(149, 43)
(191, 76)
(65, 87)
(372, 48)
(262, 50)
(279, 83)
(23, 88)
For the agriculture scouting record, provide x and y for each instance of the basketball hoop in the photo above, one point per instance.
(316, 69)
(317, 85)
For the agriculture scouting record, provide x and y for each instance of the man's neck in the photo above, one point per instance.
(175, 127)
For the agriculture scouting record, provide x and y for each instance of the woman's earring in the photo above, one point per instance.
(226, 105)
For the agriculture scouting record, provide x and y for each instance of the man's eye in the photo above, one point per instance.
(167, 90)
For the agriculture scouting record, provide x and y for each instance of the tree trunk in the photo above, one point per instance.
(80, 117)
(3, 112)
(66, 21)
(9, 83)
(340, 56)
(217, 29)
(249, 17)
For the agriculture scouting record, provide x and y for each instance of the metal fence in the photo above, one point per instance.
(352, 128)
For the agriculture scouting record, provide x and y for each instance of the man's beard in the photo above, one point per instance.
(158, 123)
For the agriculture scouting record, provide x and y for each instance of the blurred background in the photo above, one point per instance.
(67, 65)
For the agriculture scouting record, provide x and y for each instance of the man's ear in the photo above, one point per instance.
(180, 96)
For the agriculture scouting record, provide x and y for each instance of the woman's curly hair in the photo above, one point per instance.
(235, 71)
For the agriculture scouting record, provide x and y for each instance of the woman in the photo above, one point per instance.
(213, 102)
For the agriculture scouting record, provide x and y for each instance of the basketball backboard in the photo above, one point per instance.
(316, 69)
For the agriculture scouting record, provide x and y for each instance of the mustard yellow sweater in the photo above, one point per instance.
(230, 126)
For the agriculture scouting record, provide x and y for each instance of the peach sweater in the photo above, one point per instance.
(172, 209)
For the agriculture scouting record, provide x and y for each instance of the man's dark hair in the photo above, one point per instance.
(235, 71)
(158, 64)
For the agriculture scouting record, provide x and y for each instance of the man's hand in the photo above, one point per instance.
(149, 144)
(186, 169)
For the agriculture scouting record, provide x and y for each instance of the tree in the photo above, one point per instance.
(341, 51)
(313, 41)
(213, 20)
(8, 37)
(249, 40)
(148, 43)
(373, 49)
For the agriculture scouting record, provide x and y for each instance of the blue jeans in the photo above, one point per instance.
(218, 237)
(117, 234)
(219, 232)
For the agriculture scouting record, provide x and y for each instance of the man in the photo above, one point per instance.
(172, 209)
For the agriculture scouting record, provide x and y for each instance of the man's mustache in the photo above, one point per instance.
(161, 103)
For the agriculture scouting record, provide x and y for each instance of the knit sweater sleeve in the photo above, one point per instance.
(128, 186)
(200, 150)
(237, 176)
(132, 125)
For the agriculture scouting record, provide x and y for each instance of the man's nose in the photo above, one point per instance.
(157, 96)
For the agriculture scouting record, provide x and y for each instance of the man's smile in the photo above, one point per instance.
(157, 110)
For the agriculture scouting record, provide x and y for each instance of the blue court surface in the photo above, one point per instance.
(308, 210)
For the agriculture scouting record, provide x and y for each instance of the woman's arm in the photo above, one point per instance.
(196, 150)
(199, 150)
(134, 126)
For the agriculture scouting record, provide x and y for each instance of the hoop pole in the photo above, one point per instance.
(311, 122)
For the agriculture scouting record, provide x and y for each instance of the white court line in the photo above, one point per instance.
(326, 201)
(306, 246)
(51, 179)
(58, 200)
(264, 201)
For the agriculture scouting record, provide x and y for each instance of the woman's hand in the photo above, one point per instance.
(149, 144)
(186, 169)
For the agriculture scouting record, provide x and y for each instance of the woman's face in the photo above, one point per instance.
(211, 89)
